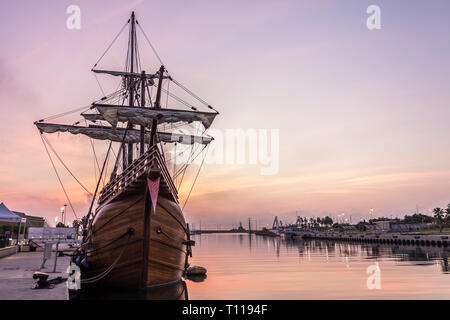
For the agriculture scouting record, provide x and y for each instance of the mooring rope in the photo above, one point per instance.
(111, 267)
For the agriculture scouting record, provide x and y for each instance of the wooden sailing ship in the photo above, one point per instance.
(137, 236)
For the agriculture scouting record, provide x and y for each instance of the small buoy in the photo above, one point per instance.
(196, 271)
(197, 277)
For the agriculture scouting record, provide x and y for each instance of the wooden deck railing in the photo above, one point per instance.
(140, 167)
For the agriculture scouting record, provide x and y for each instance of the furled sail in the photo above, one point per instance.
(117, 134)
(145, 116)
(134, 74)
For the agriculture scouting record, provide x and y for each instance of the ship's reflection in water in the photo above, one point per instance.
(255, 267)
(412, 254)
(177, 291)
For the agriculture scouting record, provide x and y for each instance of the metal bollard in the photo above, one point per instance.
(47, 254)
(56, 256)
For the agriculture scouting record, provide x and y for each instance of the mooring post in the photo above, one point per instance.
(56, 256)
(47, 254)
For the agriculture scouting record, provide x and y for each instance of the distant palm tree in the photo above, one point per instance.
(447, 214)
(439, 216)
(327, 221)
(305, 223)
(76, 224)
(312, 222)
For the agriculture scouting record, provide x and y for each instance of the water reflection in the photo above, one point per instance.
(415, 254)
(242, 266)
(176, 291)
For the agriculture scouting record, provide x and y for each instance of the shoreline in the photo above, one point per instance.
(382, 238)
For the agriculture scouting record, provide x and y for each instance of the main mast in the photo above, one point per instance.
(128, 152)
(131, 84)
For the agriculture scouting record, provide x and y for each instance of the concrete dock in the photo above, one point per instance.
(16, 276)
(4, 252)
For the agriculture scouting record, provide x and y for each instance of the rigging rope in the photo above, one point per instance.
(62, 162)
(190, 92)
(184, 170)
(122, 145)
(191, 159)
(99, 85)
(128, 51)
(96, 160)
(95, 157)
(57, 175)
(90, 221)
(193, 94)
(179, 99)
(198, 172)
(138, 56)
(151, 46)
(109, 47)
(85, 108)
(168, 89)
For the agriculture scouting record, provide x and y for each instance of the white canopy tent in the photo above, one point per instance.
(7, 215)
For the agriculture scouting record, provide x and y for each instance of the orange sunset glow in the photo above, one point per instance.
(362, 116)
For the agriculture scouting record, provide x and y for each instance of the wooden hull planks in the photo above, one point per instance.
(154, 254)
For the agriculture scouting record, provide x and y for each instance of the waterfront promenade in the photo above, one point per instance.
(16, 276)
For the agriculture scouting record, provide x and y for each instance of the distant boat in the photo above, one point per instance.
(292, 231)
(137, 236)
(267, 233)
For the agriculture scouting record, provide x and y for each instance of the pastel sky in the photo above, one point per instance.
(363, 115)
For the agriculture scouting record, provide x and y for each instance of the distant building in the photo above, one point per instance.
(33, 221)
(398, 226)
(382, 225)
(406, 227)
(367, 227)
(14, 222)
(348, 228)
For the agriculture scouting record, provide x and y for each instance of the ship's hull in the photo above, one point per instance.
(148, 248)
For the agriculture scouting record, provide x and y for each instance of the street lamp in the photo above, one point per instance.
(63, 214)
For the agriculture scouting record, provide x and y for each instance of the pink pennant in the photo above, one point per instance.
(153, 188)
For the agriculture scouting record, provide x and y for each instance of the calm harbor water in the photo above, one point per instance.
(255, 267)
